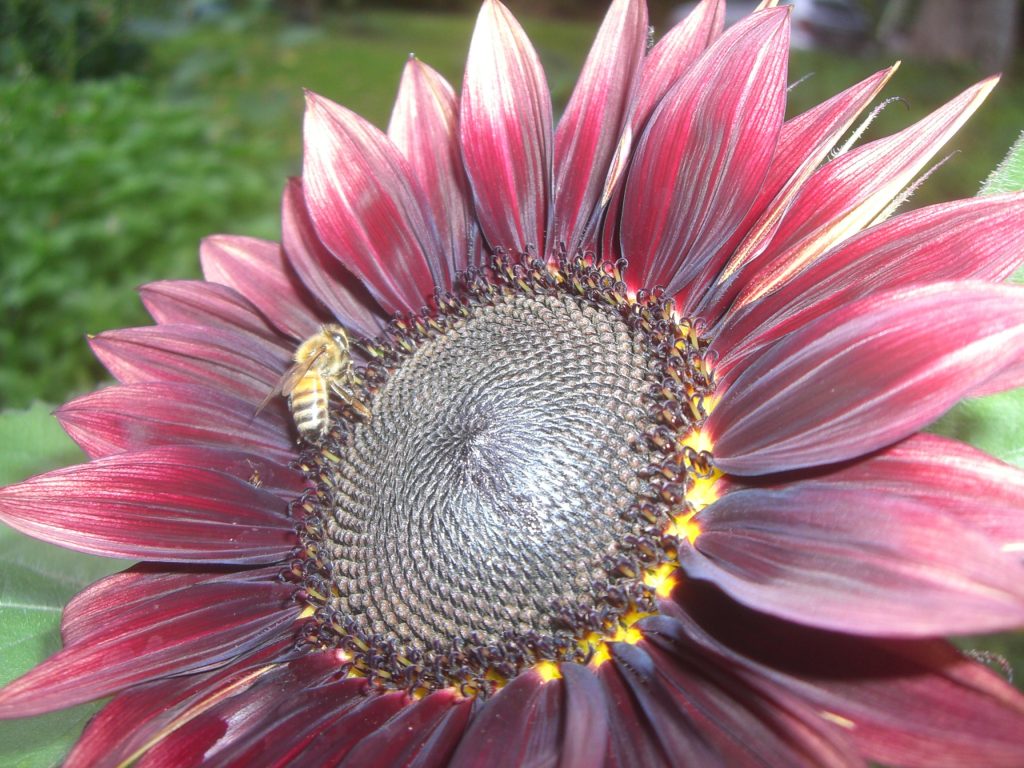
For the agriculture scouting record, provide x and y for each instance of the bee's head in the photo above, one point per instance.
(337, 334)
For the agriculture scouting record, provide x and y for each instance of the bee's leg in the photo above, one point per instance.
(349, 397)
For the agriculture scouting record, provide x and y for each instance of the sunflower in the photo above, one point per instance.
(596, 444)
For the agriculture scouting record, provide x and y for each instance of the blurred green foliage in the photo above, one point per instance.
(68, 39)
(103, 186)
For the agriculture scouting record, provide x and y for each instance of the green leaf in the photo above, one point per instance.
(32, 441)
(36, 581)
(1009, 175)
(994, 424)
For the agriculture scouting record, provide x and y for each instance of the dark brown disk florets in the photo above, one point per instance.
(514, 484)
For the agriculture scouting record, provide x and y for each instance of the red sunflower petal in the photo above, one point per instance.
(274, 708)
(1011, 377)
(866, 375)
(364, 207)
(952, 478)
(195, 302)
(520, 725)
(258, 471)
(315, 726)
(424, 127)
(586, 717)
(505, 132)
(841, 558)
(981, 238)
(803, 143)
(859, 186)
(323, 275)
(633, 738)
(134, 417)
(239, 364)
(917, 703)
(666, 62)
(258, 270)
(424, 734)
(532, 721)
(138, 718)
(715, 716)
(726, 134)
(956, 714)
(594, 119)
(143, 506)
(135, 626)
(674, 55)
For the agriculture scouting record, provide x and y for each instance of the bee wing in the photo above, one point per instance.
(288, 380)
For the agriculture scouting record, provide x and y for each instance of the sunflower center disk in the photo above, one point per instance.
(500, 505)
(489, 482)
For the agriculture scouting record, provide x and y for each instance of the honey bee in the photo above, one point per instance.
(322, 365)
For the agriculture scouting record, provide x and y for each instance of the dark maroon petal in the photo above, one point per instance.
(916, 703)
(333, 742)
(593, 122)
(586, 718)
(844, 558)
(135, 626)
(173, 752)
(752, 718)
(303, 727)
(505, 132)
(141, 506)
(239, 364)
(866, 375)
(951, 477)
(679, 738)
(424, 127)
(194, 302)
(273, 707)
(258, 470)
(633, 740)
(258, 270)
(980, 238)
(960, 714)
(422, 735)
(363, 204)
(804, 143)
(521, 725)
(708, 715)
(323, 275)
(724, 137)
(561, 722)
(137, 416)
(318, 729)
(140, 716)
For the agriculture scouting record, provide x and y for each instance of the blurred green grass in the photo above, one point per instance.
(110, 184)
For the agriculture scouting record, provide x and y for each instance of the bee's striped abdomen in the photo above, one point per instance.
(308, 401)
